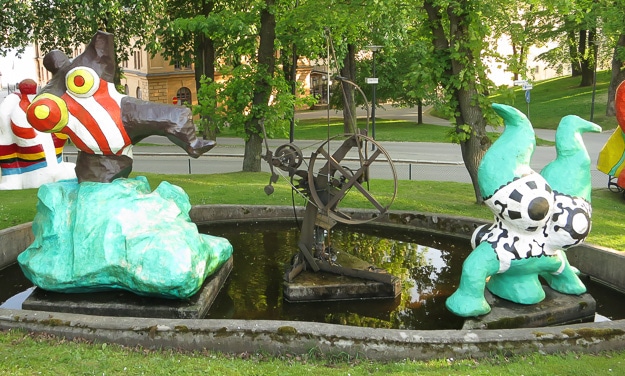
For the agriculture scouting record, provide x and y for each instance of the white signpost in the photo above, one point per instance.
(527, 87)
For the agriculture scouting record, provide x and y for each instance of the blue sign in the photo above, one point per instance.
(527, 96)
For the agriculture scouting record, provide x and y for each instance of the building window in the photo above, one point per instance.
(138, 93)
(126, 89)
(137, 59)
(319, 87)
(184, 96)
(179, 66)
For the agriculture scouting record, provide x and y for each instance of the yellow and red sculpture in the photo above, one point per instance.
(612, 156)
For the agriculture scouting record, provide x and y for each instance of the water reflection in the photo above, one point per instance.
(424, 262)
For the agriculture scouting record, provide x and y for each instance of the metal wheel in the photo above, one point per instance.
(344, 177)
(287, 156)
(613, 186)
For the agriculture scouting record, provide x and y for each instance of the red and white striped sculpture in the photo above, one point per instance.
(80, 101)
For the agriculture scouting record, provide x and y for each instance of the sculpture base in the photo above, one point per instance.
(556, 309)
(310, 286)
(122, 303)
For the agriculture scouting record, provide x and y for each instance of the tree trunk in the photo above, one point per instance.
(515, 72)
(576, 69)
(474, 148)
(470, 113)
(205, 66)
(588, 51)
(262, 88)
(253, 151)
(349, 104)
(521, 58)
(618, 75)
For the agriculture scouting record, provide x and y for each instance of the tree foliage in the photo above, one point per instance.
(15, 25)
(67, 24)
(229, 102)
(213, 34)
(433, 51)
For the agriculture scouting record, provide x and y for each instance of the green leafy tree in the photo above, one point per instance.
(614, 32)
(458, 34)
(68, 24)
(525, 25)
(575, 29)
(228, 102)
(15, 25)
(338, 36)
(265, 68)
(209, 33)
(254, 97)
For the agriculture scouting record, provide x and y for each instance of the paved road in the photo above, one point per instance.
(412, 160)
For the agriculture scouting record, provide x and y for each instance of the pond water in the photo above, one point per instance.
(428, 265)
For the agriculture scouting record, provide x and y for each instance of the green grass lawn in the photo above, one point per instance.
(552, 99)
(386, 130)
(25, 354)
(424, 196)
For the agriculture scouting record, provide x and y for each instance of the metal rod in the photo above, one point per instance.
(373, 103)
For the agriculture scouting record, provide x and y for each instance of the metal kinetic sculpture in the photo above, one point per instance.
(325, 184)
(340, 165)
(333, 173)
(537, 217)
(107, 231)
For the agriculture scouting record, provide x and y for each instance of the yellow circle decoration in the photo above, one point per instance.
(42, 112)
(82, 81)
(47, 113)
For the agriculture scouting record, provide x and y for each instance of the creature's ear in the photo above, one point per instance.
(55, 60)
(99, 55)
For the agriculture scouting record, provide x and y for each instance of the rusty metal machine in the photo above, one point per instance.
(338, 173)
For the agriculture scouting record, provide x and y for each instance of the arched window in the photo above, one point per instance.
(126, 89)
(184, 96)
(139, 93)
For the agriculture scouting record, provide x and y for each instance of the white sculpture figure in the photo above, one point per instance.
(28, 158)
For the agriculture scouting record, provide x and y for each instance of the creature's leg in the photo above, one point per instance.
(517, 288)
(567, 281)
(9, 182)
(142, 119)
(469, 299)
(102, 168)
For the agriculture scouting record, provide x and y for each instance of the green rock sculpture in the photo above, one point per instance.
(100, 236)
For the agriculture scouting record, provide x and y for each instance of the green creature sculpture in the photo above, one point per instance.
(537, 216)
